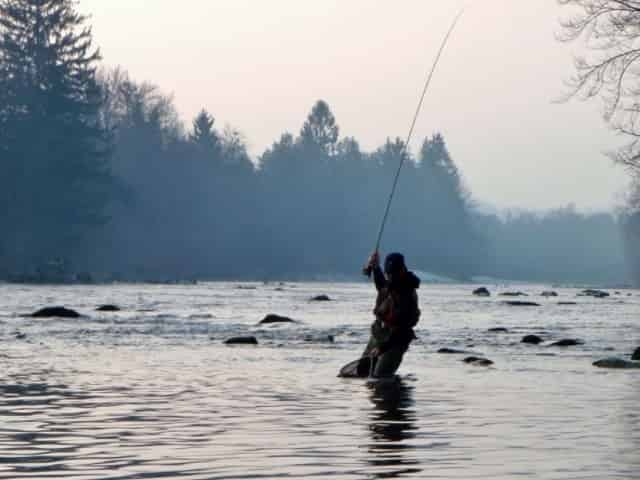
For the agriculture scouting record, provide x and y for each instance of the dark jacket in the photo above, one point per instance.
(396, 310)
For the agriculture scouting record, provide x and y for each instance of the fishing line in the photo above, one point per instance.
(405, 154)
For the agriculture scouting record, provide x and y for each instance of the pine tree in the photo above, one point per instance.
(204, 135)
(436, 160)
(320, 129)
(54, 149)
(448, 211)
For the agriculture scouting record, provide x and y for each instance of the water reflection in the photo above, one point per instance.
(392, 426)
(629, 418)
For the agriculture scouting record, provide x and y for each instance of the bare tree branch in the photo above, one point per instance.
(611, 31)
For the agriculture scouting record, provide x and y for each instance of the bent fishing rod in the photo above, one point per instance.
(405, 154)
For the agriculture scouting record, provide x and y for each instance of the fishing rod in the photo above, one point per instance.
(405, 154)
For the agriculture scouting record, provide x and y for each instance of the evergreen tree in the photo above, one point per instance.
(454, 244)
(439, 166)
(55, 149)
(204, 135)
(234, 150)
(320, 129)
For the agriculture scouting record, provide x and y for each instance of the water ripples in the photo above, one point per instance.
(156, 394)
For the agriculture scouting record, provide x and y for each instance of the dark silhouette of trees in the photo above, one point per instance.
(204, 136)
(451, 232)
(561, 245)
(325, 193)
(611, 31)
(186, 209)
(320, 129)
(55, 150)
(632, 239)
(631, 230)
(98, 170)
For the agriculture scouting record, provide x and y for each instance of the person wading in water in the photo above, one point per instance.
(396, 312)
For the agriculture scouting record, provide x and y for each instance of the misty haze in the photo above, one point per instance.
(190, 194)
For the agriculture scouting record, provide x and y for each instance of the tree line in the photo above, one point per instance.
(98, 174)
(608, 71)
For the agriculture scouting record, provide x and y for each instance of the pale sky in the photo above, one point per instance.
(259, 66)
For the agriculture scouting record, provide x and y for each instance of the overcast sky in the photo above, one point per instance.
(260, 65)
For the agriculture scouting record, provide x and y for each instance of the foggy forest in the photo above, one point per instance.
(101, 180)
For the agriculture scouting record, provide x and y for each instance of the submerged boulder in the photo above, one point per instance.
(498, 330)
(273, 318)
(614, 362)
(531, 339)
(60, 312)
(590, 292)
(567, 342)
(519, 303)
(549, 293)
(478, 361)
(636, 354)
(108, 308)
(320, 298)
(482, 292)
(453, 351)
(241, 341)
(319, 339)
(513, 294)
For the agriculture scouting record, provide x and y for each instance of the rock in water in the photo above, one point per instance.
(532, 339)
(272, 318)
(636, 354)
(320, 339)
(60, 312)
(320, 298)
(482, 292)
(613, 362)
(567, 342)
(549, 293)
(498, 330)
(518, 303)
(242, 341)
(452, 351)
(479, 361)
(108, 308)
(513, 294)
(589, 292)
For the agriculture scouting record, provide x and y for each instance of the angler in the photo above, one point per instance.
(396, 311)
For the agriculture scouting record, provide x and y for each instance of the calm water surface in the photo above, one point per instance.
(152, 392)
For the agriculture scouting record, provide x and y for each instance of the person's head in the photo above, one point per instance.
(394, 266)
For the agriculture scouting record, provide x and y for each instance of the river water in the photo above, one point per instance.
(152, 391)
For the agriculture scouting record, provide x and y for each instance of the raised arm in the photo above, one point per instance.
(379, 278)
(373, 266)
